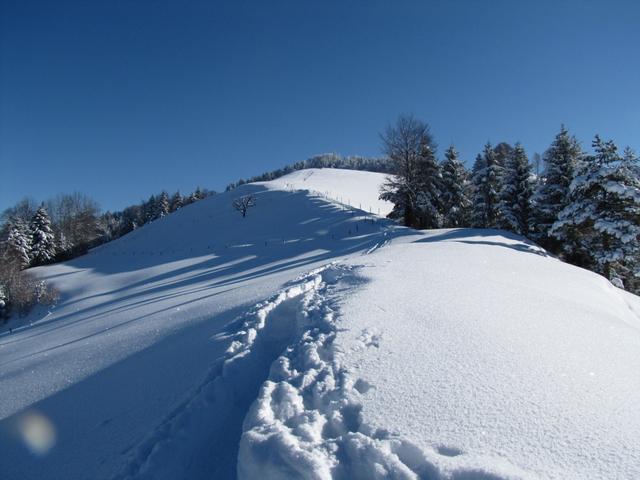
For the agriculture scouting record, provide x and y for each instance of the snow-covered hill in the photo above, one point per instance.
(311, 340)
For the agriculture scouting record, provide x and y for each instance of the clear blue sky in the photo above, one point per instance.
(122, 98)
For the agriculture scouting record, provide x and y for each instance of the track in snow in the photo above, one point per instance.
(200, 438)
(307, 421)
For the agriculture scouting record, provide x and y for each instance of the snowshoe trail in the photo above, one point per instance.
(200, 437)
(307, 421)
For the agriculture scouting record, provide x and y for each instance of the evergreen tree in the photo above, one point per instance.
(194, 197)
(429, 187)
(600, 227)
(17, 246)
(456, 200)
(626, 208)
(162, 205)
(43, 245)
(515, 195)
(176, 202)
(503, 152)
(552, 193)
(149, 210)
(486, 180)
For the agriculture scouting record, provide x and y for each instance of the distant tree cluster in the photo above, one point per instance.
(327, 160)
(584, 207)
(157, 206)
(63, 228)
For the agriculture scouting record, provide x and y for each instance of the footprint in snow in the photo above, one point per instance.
(362, 386)
(370, 338)
(448, 451)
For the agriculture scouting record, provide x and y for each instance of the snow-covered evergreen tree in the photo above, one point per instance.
(627, 211)
(551, 196)
(429, 187)
(600, 227)
(43, 245)
(176, 202)
(515, 195)
(17, 249)
(503, 152)
(149, 209)
(162, 205)
(487, 174)
(192, 198)
(456, 199)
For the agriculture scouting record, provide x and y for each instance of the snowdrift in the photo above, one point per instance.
(313, 339)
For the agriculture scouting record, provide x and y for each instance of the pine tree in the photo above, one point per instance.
(176, 202)
(149, 210)
(627, 211)
(43, 245)
(551, 196)
(429, 187)
(503, 152)
(17, 246)
(515, 195)
(193, 198)
(162, 205)
(456, 201)
(486, 180)
(600, 227)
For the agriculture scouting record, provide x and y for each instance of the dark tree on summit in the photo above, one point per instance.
(244, 203)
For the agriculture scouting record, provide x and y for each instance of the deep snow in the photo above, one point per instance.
(310, 340)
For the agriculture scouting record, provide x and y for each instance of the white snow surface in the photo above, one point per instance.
(359, 190)
(310, 340)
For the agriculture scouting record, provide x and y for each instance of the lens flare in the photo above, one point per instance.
(37, 432)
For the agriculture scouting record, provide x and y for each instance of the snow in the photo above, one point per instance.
(523, 367)
(145, 320)
(359, 190)
(309, 340)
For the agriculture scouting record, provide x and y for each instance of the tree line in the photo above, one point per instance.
(327, 160)
(62, 228)
(583, 206)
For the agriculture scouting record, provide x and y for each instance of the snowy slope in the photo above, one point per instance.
(144, 320)
(311, 341)
(460, 354)
(359, 191)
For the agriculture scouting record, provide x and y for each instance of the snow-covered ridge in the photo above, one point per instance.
(359, 191)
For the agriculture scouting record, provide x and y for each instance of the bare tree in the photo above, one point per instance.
(414, 186)
(244, 203)
(76, 216)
